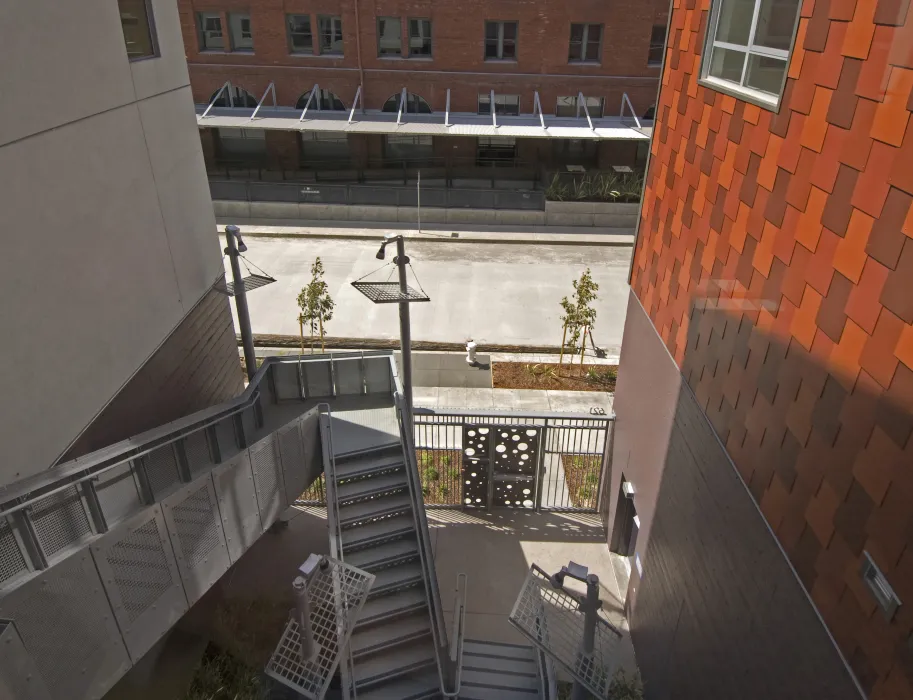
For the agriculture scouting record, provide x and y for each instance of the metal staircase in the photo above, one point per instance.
(377, 523)
(496, 671)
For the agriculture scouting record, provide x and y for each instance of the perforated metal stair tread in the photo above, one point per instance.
(487, 662)
(368, 465)
(419, 685)
(396, 577)
(510, 651)
(364, 488)
(369, 559)
(390, 606)
(374, 508)
(395, 662)
(373, 639)
(377, 531)
(496, 679)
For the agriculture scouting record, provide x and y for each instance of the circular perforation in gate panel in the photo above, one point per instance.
(513, 494)
(514, 450)
(475, 466)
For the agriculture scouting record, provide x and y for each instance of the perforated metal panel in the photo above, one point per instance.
(317, 380)
(349, 377)
(12, 560)
(162, 470)
(118, 494)
(337, 594)
(65, 623)
(19, 676)
(264, 462)
(228, 443)
(61, 521)
(378, 375)
(290, 449)
(195, 526)
(141, 579)
(286, 381)
(196, 448)
(234, 484)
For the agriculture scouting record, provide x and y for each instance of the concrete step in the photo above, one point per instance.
(373, 508)
(387, 554)
(377, 531)
(390, 607)
(419, 685)
(401, 576)
(371, 640)
(367, 488)
(393, 663)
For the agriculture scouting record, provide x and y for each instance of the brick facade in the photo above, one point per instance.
(458, 52)
(775, 259)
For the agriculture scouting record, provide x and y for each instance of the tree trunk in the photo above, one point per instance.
(563, 340)
(322, 348)
(301, 332)
(583, 347)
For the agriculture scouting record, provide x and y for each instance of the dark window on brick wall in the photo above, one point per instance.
(657, 45)
(586, 43)
(420, 37)
(300, 38)
(504, 104)
(240, 33)
(330, 29)
(389, 36)
(139, 29)
(500, 41)
(210, 26)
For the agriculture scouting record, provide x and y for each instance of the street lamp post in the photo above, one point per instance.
(234, 246)
(405, 325)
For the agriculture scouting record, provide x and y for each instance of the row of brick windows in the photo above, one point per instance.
(397, 37)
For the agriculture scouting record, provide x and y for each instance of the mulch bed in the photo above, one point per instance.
(546, 375)
(582, 475)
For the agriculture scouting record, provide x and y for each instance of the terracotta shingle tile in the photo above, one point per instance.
(887, 239)
(836, 215)
(901, 175)
(904, 349)
(850, 255)
(878, 358)
(863, 305)
(901, 53)
(832, 313)
(860, 31)
(891, 117)
(893, 12)
(818, 27)
(897, 294)
(803, 326)
(871, 187)
(808, 227)
(827, 163)
(874, 72)
(845, 357)
(820, 270)
(842, 105)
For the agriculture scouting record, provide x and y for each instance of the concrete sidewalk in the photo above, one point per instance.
(512, 399)
(458, 233)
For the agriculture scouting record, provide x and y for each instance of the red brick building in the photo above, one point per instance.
(765, 394)
(449, 57)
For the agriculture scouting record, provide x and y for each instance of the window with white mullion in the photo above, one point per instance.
(749, 46)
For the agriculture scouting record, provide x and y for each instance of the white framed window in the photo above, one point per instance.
(210, 26)
(242, 38)
(300, 37)
(420, 37)
(330, 30)
(568, 107)
(501, 41)
(389, 36)
(746, 52)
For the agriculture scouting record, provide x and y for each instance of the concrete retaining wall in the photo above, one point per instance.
(593, 214)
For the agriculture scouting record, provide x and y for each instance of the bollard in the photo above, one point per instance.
(471, 352)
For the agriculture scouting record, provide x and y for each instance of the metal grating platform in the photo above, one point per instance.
(250, 282)
(389, 292)
(550, 619)
(337, 595)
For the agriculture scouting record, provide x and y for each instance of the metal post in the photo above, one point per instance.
(590, 608)
(247, 338)
(418, 199)
(405, 331)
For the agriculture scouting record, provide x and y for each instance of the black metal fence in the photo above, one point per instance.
(380, 195)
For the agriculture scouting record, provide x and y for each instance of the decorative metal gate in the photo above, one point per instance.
(500, 464)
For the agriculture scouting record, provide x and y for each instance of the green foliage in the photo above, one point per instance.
(579, 316)
(596, 187)
(315, 303)
(433, 474)
(602, 374)
(220, 676)
(453, 473)
(541, 372)
(624, 687)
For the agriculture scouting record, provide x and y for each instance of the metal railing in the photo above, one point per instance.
(457, 635)
(571, 462)
(446, 671)
(377, 195)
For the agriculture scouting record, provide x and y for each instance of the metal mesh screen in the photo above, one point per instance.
(118, 493)
(196, 447)
(293, 467)
(12, 562)
(196, 521)
(225, 434)
(389, 292)
(140, 569)
(549, 618)
(250, 425)
(161, 470)
(60, 520)
(337, 595)
(286, 381)
(266, 481)
(60, 623)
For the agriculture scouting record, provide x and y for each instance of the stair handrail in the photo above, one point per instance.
(457, 635)
(426, 556)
